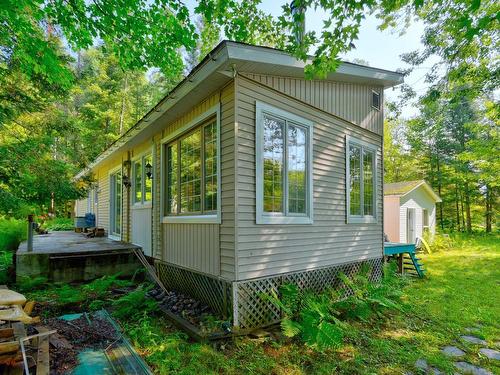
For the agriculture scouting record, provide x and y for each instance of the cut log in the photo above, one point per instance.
(6, 332)
(9, 347)
(28, 308)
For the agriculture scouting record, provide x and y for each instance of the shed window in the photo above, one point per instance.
(192, 176)
(425, 219)
(284, 181)
(376, 100)
(142, 184)
(361, 176)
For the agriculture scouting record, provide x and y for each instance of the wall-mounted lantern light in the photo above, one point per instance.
(126, 174)
(149, 171)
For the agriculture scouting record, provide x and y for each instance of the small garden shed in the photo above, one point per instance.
(409, 210)
(247, 175)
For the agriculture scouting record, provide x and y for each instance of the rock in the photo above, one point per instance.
(473, 340)
(421, 364)
(490, 353)
(453, 351)
(468, 368)
(435, 371)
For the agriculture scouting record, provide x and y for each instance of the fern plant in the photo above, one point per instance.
(321, 320)
(308, 316)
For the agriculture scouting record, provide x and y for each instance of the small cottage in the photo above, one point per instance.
(247, 175)
(409, 210)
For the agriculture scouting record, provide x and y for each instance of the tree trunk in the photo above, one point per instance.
(439, 192)
(467, 207)
(457, 208)
(489, 207)
(462, 209)
(122, 111)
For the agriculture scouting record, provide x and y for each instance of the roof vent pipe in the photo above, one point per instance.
(298, 12)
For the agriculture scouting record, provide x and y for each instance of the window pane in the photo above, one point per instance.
(368, 181)
(137, 181)
(172, 193)
(210, 134)
(117, 203)
(355, 179)
(296, 169)
(273, 164)
(191, 172)
(148, 182)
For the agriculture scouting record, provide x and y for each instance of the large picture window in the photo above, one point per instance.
(361, 181)
(192, 172)
(142, 183)
(284, 153)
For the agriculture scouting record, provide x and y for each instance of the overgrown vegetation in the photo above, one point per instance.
(323, 320)
(458, 292)
(58, 224)
(12, 233)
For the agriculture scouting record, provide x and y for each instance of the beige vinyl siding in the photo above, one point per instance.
(193, 246)
(264, 250)
(81, 207)
(188, 245)
(350, 101)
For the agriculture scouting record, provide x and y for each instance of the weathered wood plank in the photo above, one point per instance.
(42, 362)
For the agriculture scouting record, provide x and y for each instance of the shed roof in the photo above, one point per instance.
(217, 68)
(404, 187)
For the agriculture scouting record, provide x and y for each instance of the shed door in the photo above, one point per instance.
(410, 225)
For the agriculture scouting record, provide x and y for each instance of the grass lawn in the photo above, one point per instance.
(459, 292)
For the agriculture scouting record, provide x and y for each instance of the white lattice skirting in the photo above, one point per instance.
(243, 299)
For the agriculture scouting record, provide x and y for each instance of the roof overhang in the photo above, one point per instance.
(216, 70)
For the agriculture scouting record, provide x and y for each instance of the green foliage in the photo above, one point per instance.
(58, 224)
(5, 265)
(134, 304)
(322, 320)
(99, 288)
(366, 299)
(29, 284)
(12, 233)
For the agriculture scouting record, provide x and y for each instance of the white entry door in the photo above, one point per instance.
(410, 226)
(141, 233)
(115, 205)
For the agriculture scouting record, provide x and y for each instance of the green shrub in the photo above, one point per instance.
(58, 224)
(134, 304)
(27, 284)
(321, 320)
(100, 287)
(12, 233)
(438, 241)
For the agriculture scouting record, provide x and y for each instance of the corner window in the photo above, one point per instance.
(142, 182)
(284, 161)
(192, 173)
(361, 169)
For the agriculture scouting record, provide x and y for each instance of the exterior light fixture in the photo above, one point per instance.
(126, 174)
(149, 171)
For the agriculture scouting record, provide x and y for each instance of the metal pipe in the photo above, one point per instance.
(31, 223)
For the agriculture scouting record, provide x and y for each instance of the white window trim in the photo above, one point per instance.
(355, 219)
(379, 100)
(112, 235)
(281, 218)
(143, 203)
(212, 218)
